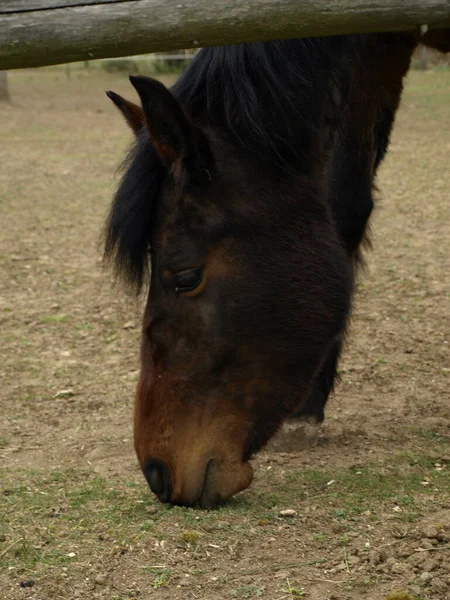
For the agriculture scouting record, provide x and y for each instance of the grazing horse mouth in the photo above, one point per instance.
(203, 490)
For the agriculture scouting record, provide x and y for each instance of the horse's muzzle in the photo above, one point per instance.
(205, 486)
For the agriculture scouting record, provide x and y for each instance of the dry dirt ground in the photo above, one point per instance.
(371, 501)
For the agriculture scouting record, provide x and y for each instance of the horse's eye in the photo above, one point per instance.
(187, 281)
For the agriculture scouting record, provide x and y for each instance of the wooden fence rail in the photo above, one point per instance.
(43, 32)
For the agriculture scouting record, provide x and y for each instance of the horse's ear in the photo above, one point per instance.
(134, 115)
(171, 133)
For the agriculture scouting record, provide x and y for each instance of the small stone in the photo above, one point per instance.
(64, 393)
(129, 325)
(151, 510)
(27, 584)
(417, 560)
(375, 558)
(426, 576)
(431, 564)
(71, 554)
(399, 568)
(100, 580)
(282, 574)
(426, 544)
(288, 512)
(437, 585)
(441, 537)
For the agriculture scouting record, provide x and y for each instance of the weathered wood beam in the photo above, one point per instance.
(44, 32)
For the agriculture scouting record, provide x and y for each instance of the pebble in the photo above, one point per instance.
(399, 568)
(283, 574)
(426, 576)
(64, 393)
(375, 557)
(430, 565)
(437, 585)
(417, 560)
(100, 579)
(288, 512)
(27, 584)
(430, 532)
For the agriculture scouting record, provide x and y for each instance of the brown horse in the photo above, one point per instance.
(246, 199)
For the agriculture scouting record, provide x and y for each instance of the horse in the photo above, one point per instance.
(244, 204)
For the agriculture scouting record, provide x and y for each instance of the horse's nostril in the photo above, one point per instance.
(158, 478)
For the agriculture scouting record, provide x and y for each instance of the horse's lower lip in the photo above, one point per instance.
(209, 496)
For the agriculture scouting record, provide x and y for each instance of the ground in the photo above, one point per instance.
(368, 507)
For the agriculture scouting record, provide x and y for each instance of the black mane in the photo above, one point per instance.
(268, 97)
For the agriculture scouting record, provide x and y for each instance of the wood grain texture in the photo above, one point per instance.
(102, 29)
(11, 6)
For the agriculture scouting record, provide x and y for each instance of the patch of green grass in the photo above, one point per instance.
(59, 512)
(55, 318)
(248, 591)
(161, 576)
(356, 490)
(294, 592)
(428, 434)
(48, 517)
(84, 326)
(190, 537)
